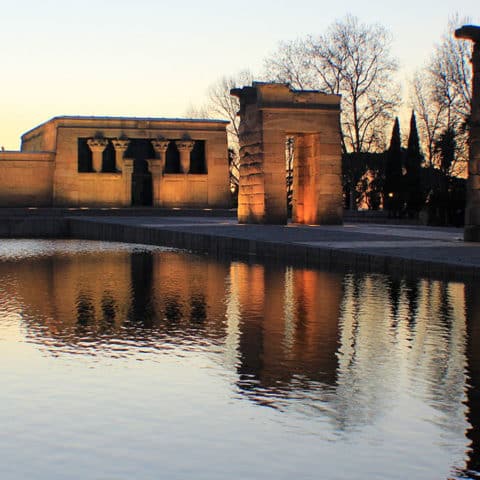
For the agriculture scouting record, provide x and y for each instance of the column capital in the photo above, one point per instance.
(97, 144)
(468, 32)
(160, 146)
(185, 145)
(120, 144)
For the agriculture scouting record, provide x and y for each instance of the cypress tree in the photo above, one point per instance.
(413, 167)
(446, 146)
(392, 192)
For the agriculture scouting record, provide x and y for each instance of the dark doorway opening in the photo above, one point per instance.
(141, 149)
(197, 158)
(172, 160)
(85, 157)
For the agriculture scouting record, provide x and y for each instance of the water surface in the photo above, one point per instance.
(130, 362)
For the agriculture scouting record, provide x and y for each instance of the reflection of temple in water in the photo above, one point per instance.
(350, 343)
(288, 332)
(136, 296)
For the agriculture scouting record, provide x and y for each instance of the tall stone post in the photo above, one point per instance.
(185, 147)
(155, 167)
(97, 146)
(127, 173)
(472, 209)
(160, 147)
(120, 145)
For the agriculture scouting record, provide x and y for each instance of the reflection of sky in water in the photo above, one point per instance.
(130, 362)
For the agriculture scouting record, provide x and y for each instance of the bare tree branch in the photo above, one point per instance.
(351, 59)
(441, 96)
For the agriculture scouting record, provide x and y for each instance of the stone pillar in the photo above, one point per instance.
(127, 173)
(156, 167)
(317, 186)
(120, 146)
(275, 173)
(160, 147)
(472, 208)
(251, 188)
(185, 147)
(327, 181)
(97, 146)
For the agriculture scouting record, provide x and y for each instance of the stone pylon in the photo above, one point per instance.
(269, 113)
(472, 209)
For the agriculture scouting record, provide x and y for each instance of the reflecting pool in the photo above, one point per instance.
(132, 362)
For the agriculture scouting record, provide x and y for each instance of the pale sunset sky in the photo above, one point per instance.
(154, 58)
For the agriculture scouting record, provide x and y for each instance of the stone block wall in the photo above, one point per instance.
(26, 179)
(104, 190)
(251, 194)
(179, 190)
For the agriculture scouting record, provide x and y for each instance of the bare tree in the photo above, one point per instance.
(429, 114)
(441, 96)
(221, 105)
(352, 59)
(291, 64)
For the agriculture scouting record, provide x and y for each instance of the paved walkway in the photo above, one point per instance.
(382, 247)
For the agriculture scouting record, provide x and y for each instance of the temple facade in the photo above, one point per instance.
(118, 162)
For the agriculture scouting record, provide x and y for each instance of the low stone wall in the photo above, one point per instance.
(104, 189)
(244, 248)
(182, 191)
(230, 247)
(26, 179)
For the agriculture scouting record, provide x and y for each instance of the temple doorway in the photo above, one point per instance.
(141, 149)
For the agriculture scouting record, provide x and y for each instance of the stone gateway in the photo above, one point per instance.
(269, 113)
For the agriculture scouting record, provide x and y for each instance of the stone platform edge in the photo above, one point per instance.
(230, 247)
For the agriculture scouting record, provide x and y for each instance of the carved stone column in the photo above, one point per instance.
(127, 181)
(97, 146)
(185, 147)
(160, 147)
(472, 209)
(120, 145)
(156, 167)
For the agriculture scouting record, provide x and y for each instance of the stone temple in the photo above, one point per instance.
(118, 162)
(183, 163)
